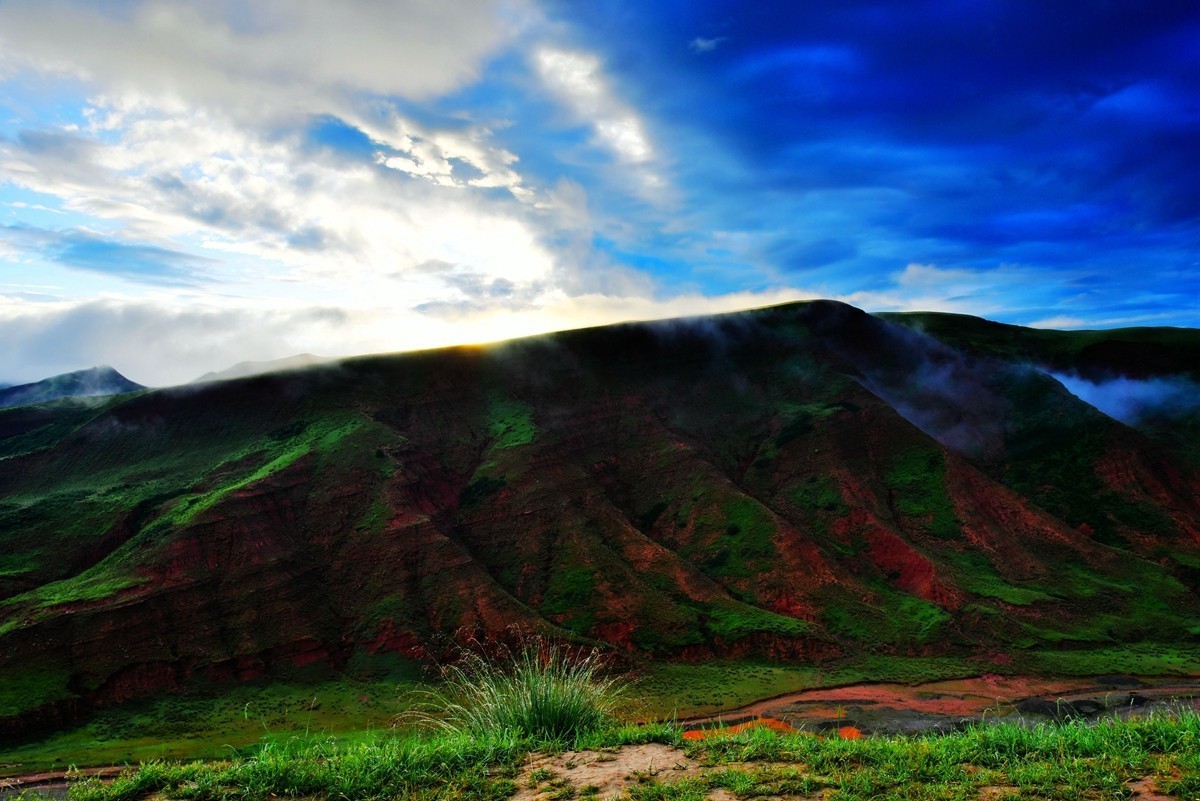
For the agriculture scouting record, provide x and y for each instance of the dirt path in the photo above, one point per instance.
(51, 783)
(945, 705)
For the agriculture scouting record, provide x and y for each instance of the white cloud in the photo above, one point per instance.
(928, 287)
(702, 45)
(270, 56)
(152, 342)
(431, 153)
(930, 275)
(578, 80)
(1011, 292)
(164, 174)
(196, 135)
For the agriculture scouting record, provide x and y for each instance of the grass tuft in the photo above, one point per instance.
(539, 690)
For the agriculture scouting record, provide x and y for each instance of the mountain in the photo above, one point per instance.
(245, 369)
(803, 483)
(96, 382)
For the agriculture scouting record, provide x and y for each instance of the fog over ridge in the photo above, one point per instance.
(1132, 400)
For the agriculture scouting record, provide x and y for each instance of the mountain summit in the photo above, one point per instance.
(95, 382)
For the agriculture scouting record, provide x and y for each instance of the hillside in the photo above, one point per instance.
(91, 383)
(799, 483)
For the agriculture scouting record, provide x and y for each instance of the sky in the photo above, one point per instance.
(186, 185)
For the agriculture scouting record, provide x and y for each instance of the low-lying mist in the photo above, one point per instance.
(1133, 400)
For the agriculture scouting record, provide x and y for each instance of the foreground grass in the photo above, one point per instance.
(1071, 761)
(219, 721)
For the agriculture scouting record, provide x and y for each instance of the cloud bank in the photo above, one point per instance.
(1134, 400)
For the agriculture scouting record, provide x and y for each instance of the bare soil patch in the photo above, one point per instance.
(610, 772)
(1146, 789)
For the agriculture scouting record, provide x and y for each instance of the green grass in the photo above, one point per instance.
(744, 538)
(510, 422)
(674, 690)
(1070, 761)
(537, 690)
(571, 592)
(447, 765)
(281, 450)
(977, 575)
(818, 493)
(16, 564)
(890, 617)
(216, 721)
(670, 690)
(1143, 659)
(735, 621)
(917, 477)
(31, 686)
(91, 585)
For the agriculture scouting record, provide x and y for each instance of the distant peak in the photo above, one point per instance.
(253, 368)
(97, 381)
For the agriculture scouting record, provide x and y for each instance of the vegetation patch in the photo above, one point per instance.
(217, 721)
(16, 564)
(510, 423)
(892, 617)
(802, 419)
(745, 540)
(96, 584)
(668, 690)
(818, 494)
(918, 479)
(280, 450)
(571, 593)
(976, 574)
(539, 691)
(32, 687)
(735, 621)
(1142, 659)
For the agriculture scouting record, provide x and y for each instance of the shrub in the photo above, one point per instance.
(538, 690)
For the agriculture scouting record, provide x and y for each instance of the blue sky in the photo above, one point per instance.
(185, 185)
